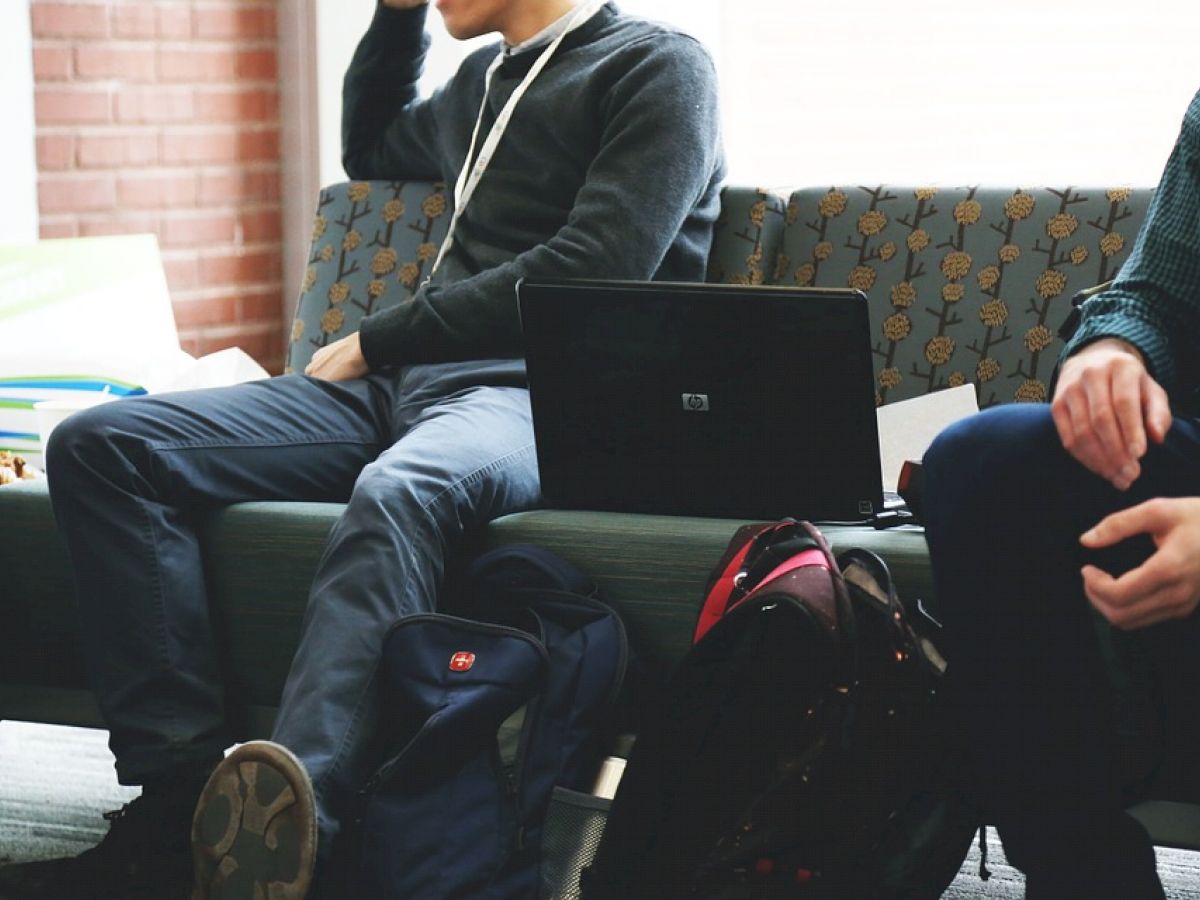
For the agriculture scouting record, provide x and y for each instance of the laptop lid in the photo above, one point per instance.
(697, 399)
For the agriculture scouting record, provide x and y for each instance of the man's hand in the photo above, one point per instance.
(340, 361)
(404, 4)
(1167, 585)
(1105, 407)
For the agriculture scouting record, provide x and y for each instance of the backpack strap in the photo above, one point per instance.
(754, 552)
(870, 581)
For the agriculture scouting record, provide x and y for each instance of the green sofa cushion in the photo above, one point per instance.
(260, 558)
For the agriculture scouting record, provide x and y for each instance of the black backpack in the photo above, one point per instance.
(486, 714)
(800, 751)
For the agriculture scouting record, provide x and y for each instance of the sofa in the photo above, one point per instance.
(965, 285)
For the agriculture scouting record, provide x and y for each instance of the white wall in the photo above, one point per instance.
(18, 163)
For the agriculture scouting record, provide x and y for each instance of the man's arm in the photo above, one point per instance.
(657, 155)
(387, 131)
(1136, 341)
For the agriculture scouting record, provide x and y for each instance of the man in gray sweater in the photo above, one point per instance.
(585, 144)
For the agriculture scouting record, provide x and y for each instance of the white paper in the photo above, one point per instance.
(908, 427)
(88, 319)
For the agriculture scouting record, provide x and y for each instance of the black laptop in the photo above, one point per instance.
(698, 399)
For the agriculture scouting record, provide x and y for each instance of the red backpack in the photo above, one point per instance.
(800, 750)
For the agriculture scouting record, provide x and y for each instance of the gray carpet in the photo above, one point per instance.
(55, 783)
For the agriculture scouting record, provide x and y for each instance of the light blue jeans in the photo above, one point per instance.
(419, 454)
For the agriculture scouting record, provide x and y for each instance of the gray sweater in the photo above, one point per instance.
(610, 167)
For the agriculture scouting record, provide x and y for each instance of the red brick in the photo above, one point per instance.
(265, 345)
(188, 148)
(68, 20)
(61, 193)
(205, 311)
(233, 22)
(258, 145)
(198, 229)
(107, 151)
(48, 229)
(216, 105)
(256, 64)
(197, 64)
(174, 21)
(264, 306)
(261, 226)
(120, 223)
(155, 105)
(239, 186)
(241, 268)
(55, 152)
(130, 63)
(206, 342)
(51, 63)
(72, 106)
(137, 21)
(183, 272)
(262, 341)
(157, 190)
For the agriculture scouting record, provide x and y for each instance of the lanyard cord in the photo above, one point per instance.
(468, 180)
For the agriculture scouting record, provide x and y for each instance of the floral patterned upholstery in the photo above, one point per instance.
(747, 236)
(373, 242)
(965, 284)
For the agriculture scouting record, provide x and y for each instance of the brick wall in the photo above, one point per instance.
(163, 116)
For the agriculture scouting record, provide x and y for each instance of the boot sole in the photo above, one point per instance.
(254, 832)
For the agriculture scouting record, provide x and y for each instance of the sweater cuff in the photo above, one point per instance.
(379, 338)
(401, 26)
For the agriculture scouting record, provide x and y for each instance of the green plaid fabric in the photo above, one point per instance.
(1154, 303)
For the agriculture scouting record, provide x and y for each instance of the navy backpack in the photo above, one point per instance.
(485, 714)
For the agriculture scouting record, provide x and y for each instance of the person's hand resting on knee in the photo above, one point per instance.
(1107, 409)
(339, 361)
(1167, 585)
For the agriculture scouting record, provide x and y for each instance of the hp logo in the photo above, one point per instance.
(695, 402)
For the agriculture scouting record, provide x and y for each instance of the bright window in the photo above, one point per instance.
(943, 91)
(947, 91)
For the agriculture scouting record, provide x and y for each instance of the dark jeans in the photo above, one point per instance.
(419, 455)
(1005, 506)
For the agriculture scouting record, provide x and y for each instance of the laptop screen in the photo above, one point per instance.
(695, 399)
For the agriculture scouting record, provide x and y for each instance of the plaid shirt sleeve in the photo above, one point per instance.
(1154, 303)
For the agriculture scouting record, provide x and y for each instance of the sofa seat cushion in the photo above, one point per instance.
(260, 558)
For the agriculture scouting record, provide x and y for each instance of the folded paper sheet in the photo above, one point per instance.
(91, 317)
(908, 427)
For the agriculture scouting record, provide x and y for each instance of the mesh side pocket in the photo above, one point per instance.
(574, 825)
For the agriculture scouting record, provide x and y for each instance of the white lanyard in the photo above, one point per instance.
(468, 180)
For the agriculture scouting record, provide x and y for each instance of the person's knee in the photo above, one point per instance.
(389, 498)
(80, 439)
(986, 453)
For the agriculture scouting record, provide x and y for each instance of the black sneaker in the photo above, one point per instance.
(145, 855)
(254, 834)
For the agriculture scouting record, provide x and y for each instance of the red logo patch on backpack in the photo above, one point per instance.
(462, 661)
